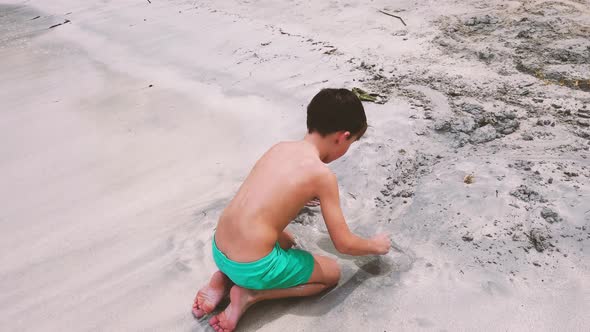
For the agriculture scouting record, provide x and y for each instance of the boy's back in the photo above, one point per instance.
(279, 185)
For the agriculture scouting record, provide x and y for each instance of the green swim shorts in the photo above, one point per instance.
(279, 269)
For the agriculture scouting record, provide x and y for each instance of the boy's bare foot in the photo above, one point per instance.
(240, 300)
(209, 296)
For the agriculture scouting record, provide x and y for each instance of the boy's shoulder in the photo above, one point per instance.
(301, 159)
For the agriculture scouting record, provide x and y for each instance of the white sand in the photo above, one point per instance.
(110, 189)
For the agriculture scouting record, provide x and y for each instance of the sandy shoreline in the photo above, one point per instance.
(126, 129)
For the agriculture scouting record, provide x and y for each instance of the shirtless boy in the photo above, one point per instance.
(251, 247)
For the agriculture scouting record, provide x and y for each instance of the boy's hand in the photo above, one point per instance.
(382, 243)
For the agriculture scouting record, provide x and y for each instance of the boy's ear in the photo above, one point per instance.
(343, 136)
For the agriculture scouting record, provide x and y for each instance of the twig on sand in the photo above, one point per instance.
(149, 1)
(36, 17)
(396, 246)
(56, 25)
(388, 14)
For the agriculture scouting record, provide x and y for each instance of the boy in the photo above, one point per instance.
(251, 248)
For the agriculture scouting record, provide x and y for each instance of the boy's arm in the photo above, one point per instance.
(344, 240)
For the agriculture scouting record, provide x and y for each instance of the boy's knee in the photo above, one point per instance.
(326, 271)
(334, 274)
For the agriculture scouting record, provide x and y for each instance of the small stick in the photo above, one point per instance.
(388, 14)
(149, 1)
(56, 25)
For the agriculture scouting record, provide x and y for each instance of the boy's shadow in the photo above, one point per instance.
(318, 305)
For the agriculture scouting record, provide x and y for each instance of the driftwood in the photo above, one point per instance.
(388, 14)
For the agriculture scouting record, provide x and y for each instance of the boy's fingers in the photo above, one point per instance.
(313, 202)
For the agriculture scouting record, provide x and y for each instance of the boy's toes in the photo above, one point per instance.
(214, 321)
(215, 324)
(198, 312)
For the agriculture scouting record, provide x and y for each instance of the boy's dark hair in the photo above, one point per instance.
(333, 110)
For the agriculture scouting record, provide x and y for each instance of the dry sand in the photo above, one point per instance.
(125, 131)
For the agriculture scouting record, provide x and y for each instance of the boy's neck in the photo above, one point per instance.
(320, 143)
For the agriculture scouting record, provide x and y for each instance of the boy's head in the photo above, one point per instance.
(338, 114)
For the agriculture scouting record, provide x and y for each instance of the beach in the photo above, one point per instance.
(127, 126)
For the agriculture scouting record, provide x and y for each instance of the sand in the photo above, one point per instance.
(126, 128)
